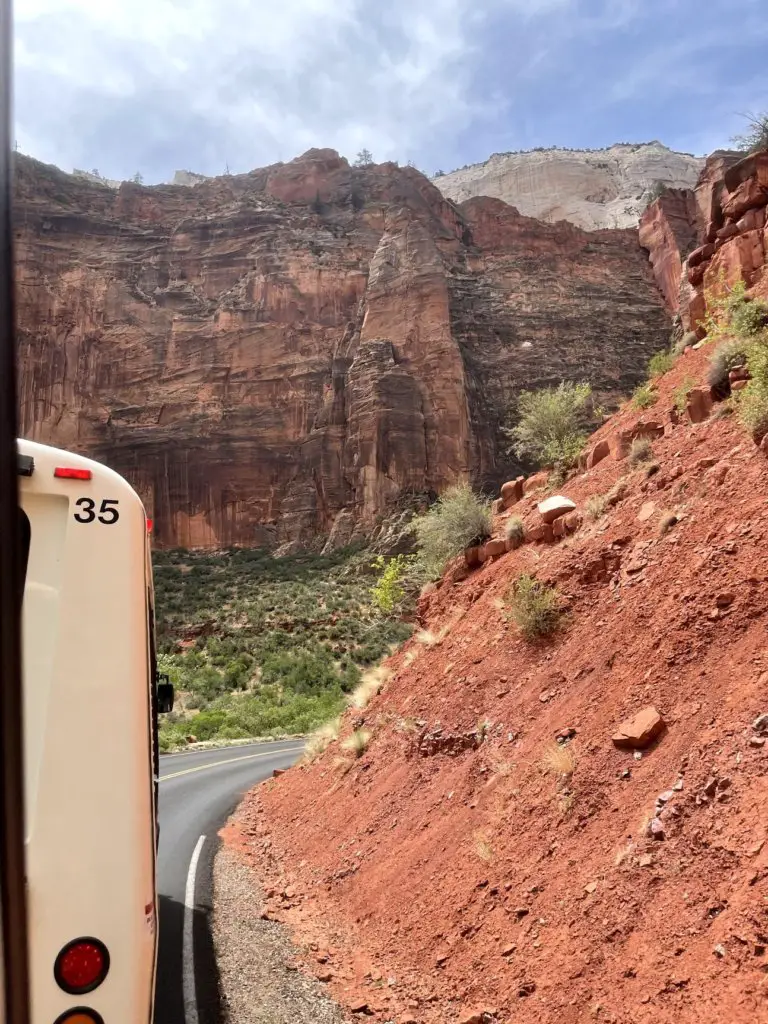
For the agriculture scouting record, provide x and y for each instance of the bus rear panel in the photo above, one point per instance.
(88, 739)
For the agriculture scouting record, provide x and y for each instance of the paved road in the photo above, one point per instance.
(198, 791)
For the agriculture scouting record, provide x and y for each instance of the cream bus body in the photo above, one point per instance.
(89, 776)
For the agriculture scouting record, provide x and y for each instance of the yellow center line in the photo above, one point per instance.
(230, 760)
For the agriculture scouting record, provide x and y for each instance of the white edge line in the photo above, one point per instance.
(188, 942)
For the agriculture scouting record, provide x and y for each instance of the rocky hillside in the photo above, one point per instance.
(275, 356)
(572, 828)
(599, 188)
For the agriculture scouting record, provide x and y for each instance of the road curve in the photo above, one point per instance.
(198, 791)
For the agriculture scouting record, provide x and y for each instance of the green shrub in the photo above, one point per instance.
(514, 531)
(749, 319)
(756, 136)
(388, 592)
(553, 423)
(457, 520)
(644, 396)
(753, 400)
(534, 607)
(640, 451)
(660, 364)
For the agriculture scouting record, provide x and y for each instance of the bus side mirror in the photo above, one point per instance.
(165, 698)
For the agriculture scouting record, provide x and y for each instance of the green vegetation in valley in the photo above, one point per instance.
(261, 646)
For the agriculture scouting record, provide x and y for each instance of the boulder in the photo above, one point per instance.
(598, 452)
(701, 255)
(572, 522)
(512, 492)
(749, 195)
(699, 404)
(639, 732)
(472, 556)
(739, 385)
(532, 483)
(494, 548)
(552, 508)
(541, 534)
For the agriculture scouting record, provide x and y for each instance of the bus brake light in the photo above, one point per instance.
(70, 473)
(81, 966)
(82, 1015)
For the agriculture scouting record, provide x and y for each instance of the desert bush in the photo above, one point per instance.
(553, 424)
(320, 739)
(725, 358)
(660, 363)
(458, 519)
(749, 318)
(389, 591)
(640, 451)
(596, 506)
(755, 137)
(514, 532)
(644, 396)
(688, 340)
(753, 400)
(534, 607)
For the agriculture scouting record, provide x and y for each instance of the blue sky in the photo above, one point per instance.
(156, 85)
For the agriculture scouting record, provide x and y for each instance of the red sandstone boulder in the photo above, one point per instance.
(699, 404)
(739, 385)
(534, 482)
(747, 196)
(494, 548)
(728, 230)
(552, 508)
(701, 255)
(598, 452)
(512, 492)
(753, 220)
(541, 534)
(639, 732)
(472, 556)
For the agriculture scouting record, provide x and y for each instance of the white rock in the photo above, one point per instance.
(552, 508)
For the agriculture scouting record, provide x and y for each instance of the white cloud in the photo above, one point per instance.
(153, 83)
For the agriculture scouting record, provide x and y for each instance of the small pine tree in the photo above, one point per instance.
(138, 178)
(364, 158)
(755, 137)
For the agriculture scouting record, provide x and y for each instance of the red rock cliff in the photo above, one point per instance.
(262, 351)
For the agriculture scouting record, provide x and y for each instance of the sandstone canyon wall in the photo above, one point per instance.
(702, 241)
(600, 188)
(261, 352)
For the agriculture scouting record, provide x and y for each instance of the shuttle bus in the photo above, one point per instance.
(90, 736)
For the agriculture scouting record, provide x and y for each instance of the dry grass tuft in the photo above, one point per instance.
(514, 532)
(319, 740)
(483, 848)
(668, 520)
(558, 758)
(596, 506)
(369, 686)
(640, 451)
(357, 742)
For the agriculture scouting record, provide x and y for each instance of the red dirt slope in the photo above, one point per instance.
(456, 875)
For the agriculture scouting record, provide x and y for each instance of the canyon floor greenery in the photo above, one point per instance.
(259, 646)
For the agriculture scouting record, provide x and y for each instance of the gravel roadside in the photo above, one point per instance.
(259, 982)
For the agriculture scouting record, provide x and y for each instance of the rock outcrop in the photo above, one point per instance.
(601, 188)
(264, 352)
(704, 241)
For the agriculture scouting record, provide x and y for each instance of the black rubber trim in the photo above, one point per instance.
(25, 465)
(70, 990)
(67, 1015)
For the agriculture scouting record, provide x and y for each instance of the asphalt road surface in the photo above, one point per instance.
(198, 791)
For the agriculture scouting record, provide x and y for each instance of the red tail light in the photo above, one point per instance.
(70, 473)
(80, 1015)
(81, 966)
(149, 525)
